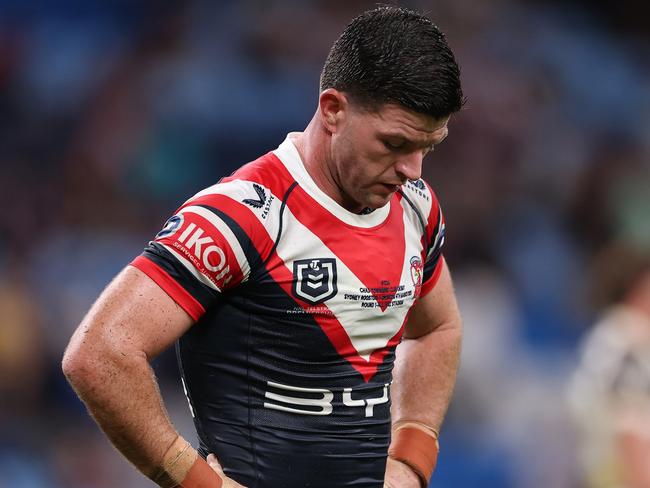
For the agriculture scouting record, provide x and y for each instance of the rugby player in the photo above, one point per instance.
(306, 293)
(609, 392)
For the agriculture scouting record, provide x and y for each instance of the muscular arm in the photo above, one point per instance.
(107, 363)
(425, 366)
(427, 359)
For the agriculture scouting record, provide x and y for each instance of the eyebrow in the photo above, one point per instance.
(407, 139)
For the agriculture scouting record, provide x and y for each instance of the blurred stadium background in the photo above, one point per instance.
(112, 113)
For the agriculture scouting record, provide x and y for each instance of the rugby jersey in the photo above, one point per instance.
(299, 305)
(609, 393)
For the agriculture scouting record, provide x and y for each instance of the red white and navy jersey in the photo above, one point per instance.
(299, 305)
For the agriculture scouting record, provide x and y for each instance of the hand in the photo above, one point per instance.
(399, 475)
(227, 482)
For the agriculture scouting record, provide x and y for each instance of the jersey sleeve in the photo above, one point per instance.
(435, 238)
(613, 377)
(210, 244)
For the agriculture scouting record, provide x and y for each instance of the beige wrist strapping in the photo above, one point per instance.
(177, 462)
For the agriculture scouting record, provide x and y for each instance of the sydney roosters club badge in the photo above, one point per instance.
(416, 273)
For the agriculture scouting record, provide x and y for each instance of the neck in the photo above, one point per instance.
(313, 145)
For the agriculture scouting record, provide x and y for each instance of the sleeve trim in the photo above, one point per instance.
(431, 282)
(176, 292)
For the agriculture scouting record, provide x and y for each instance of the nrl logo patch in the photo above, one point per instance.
(261, 197)
(314, 280)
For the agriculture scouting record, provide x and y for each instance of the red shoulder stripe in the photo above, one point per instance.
(431, 282)
(268, 171)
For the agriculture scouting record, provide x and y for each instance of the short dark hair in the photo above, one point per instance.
(395, 55)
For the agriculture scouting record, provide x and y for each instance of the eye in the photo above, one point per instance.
(393, 145)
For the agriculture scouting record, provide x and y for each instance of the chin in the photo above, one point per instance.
(371, 200)
(378, 201)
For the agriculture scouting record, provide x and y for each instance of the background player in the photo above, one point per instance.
(610, 390)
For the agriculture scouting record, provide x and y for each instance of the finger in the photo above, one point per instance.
(214, 463)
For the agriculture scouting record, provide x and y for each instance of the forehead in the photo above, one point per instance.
(390, 118)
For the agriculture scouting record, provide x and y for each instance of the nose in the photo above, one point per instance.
(409, 166)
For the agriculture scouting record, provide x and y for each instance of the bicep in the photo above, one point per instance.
(133, 315)
(438, 308)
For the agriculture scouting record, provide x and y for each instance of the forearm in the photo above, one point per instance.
(425, 374)
(423, 382)
(120, 392)
(107, 363)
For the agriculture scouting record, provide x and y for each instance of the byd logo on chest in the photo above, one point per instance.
(320, 401)
(204, 248)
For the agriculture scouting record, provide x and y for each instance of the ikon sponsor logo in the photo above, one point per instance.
(314, 280)
(205, 250)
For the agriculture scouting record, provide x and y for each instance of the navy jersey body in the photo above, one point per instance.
(299, 306)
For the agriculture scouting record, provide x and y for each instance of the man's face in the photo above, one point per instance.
(373, 153)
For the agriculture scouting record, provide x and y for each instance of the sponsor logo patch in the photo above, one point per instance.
(321, 401)
(204, 253)
(418, 184)
(314, 280)
(172, 225)
(419, 187)
(261, 197)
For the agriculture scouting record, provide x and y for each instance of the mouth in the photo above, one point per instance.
(392, 187)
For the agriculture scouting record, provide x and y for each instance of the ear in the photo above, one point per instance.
(333, 108)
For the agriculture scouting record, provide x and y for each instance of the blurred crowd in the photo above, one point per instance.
(113, 113)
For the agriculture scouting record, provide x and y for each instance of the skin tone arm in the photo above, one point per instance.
(425, 367)
(633, 425)
(107, 363)
(634, 449)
